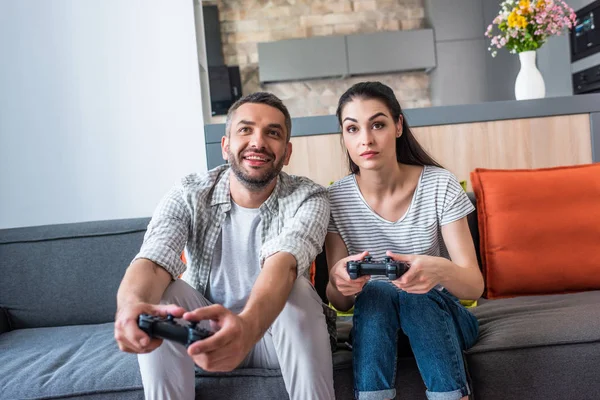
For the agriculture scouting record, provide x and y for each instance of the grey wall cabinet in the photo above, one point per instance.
(340, 56)
(467, 73)
(296, 59)
(456, 19)
(392, 51)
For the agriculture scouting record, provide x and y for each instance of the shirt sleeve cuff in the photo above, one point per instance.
(166, 258)
(296, 250)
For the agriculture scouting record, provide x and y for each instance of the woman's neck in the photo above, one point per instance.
(384, 182)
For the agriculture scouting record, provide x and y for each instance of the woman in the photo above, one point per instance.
(399, 202)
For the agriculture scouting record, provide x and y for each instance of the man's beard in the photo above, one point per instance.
(255, 183)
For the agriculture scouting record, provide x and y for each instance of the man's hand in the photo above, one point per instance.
(339, 278)
(132, 339)
(227, 348)
(423, 274)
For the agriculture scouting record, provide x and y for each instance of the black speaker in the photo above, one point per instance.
(235, 80)
(225, 87)
(212, 33)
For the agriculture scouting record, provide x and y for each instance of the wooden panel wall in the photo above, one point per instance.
(521, 143)
(322, 158)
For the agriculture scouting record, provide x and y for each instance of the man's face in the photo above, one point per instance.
(256, 145)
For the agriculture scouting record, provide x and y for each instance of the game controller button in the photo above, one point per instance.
(170, 318)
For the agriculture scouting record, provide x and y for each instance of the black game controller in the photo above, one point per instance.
(168, 328)
(388, 267)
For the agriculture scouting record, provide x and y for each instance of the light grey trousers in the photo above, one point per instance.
(297, 342)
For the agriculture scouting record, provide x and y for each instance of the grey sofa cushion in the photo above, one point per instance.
(78, 362)
(64, 274)
(539, 347)
(67, 361)
(524, 322)
(249, 383)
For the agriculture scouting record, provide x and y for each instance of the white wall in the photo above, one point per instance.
(100, 107)
(202, 59)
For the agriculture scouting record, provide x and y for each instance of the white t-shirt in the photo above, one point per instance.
(235, 264)
(438, 200)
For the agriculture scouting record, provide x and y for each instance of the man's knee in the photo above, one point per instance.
(182, 294)
(303, 305)
(304, 294)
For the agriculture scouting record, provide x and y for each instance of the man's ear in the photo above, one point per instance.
(225, 148)
(288, 153)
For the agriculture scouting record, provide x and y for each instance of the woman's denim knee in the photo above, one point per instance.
(375, 333)
(435, 324)
(377, 295)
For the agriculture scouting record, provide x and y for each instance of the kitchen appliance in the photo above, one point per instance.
(585, 37)
(585, 46)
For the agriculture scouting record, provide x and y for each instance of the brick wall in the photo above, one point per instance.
(244, 23)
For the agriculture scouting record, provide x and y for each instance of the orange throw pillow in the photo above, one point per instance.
(539, 229)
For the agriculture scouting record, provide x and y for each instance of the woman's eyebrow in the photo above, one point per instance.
(379, 114)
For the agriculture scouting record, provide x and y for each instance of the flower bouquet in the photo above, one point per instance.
(526, 25)
(523, 26)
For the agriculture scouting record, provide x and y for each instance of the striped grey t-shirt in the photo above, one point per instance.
(438, 200)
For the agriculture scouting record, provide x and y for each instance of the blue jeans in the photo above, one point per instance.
(438, 328)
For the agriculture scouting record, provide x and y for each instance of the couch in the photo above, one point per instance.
(57, 305)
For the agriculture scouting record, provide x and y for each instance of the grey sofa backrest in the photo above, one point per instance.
(66, 274)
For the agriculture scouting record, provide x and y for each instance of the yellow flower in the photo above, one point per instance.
(522, 22)
(516, 21)
(541, 4)
(525, 7)
(512, 18)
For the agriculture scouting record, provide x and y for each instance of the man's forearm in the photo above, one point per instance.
(144, 281)
(270, 293)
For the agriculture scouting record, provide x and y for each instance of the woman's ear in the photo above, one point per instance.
(399, 126)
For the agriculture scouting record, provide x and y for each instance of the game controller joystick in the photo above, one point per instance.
(388, 267)
(168, 328)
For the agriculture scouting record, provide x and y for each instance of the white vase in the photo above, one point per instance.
(529, 83)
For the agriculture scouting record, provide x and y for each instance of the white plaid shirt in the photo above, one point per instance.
(294, 220)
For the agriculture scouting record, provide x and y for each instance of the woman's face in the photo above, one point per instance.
(370, 133)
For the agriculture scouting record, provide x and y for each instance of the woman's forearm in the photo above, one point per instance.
(463, 282)
(338, 300)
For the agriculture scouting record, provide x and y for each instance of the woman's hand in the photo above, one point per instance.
(340, 280)
(424, 273)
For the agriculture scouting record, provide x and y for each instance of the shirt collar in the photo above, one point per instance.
(222, 195)
(272, 202)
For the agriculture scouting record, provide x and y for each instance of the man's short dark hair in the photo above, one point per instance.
(261, 98)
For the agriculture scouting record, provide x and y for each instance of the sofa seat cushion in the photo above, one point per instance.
(524, 322)
(542, 347)
(243, 383)
(65, 362)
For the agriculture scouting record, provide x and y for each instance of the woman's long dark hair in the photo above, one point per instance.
(408, 150)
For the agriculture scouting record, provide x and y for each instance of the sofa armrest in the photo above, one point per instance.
(4, 321)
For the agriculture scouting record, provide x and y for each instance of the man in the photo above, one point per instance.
(250, 232)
